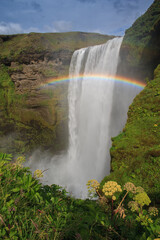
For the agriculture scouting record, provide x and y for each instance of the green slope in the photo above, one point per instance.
(140, 50)
(16, 47)
(135, 153)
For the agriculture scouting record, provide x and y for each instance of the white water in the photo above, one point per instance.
(92, 120)
(90, 103)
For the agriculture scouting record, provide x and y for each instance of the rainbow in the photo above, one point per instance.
(119, 79)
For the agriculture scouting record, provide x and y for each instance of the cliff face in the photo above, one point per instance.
(135, 153)
(32, 116)
(140, 50)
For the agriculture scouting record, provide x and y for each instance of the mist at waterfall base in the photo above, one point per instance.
(97, 112)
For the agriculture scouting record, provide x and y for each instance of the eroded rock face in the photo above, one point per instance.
(34, 116)
(40, 119)
(36, 71)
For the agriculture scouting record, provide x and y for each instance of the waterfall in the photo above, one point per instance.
(90, 105)
(97, 112)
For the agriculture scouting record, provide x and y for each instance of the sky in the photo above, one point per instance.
(111, 17)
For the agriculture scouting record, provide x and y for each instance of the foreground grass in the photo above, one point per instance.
(29, 210)
(32, 211)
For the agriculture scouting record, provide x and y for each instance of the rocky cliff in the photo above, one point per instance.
(31, 116)
(140, 50)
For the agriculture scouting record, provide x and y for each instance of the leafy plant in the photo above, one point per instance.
(5, 157)
(130, 205)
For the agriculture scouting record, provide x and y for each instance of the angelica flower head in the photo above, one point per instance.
(142, 199)
(133, 206)
(153, 211)
(130, 187)
(110, 188)
(93, 184)
(38, 173)
(139, 190)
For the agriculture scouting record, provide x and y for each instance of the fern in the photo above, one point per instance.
(5, 157)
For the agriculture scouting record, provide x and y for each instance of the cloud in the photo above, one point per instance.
(14, 28)
(10, 28)
(60, 26)
(36, 6)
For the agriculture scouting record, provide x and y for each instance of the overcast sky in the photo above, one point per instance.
(102, 16)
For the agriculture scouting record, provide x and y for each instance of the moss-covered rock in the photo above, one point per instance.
(30, 116)
(26, 48)
(140, 50)
(135, 153)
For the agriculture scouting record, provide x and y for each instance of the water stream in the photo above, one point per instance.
(97, 111)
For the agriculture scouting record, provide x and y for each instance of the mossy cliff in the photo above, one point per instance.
(140, 50)
(135, 153)
(31, 116)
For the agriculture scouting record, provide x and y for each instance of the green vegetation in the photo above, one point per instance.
(144, 26)
(30, 210)
(126, 203)
(16, 47)
(32, 117)
(7, 94)
(135, 153)
(26, 123)
(127, 206)
(140, 48)
(9, 101)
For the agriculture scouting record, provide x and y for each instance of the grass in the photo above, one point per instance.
(135, 153)
(140, 46)
(30, 210)
(28, 126)
(15, 47)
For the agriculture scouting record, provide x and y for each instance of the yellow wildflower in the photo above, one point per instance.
(19, 162)
(130, 187)
(153, 211)
(142, 199)
(133, 205)
(110, 188)
(139, 190)
(38, 173)
(93, 186)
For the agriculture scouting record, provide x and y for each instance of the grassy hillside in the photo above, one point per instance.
(140, 50)
(135, 153)
(16, 47)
